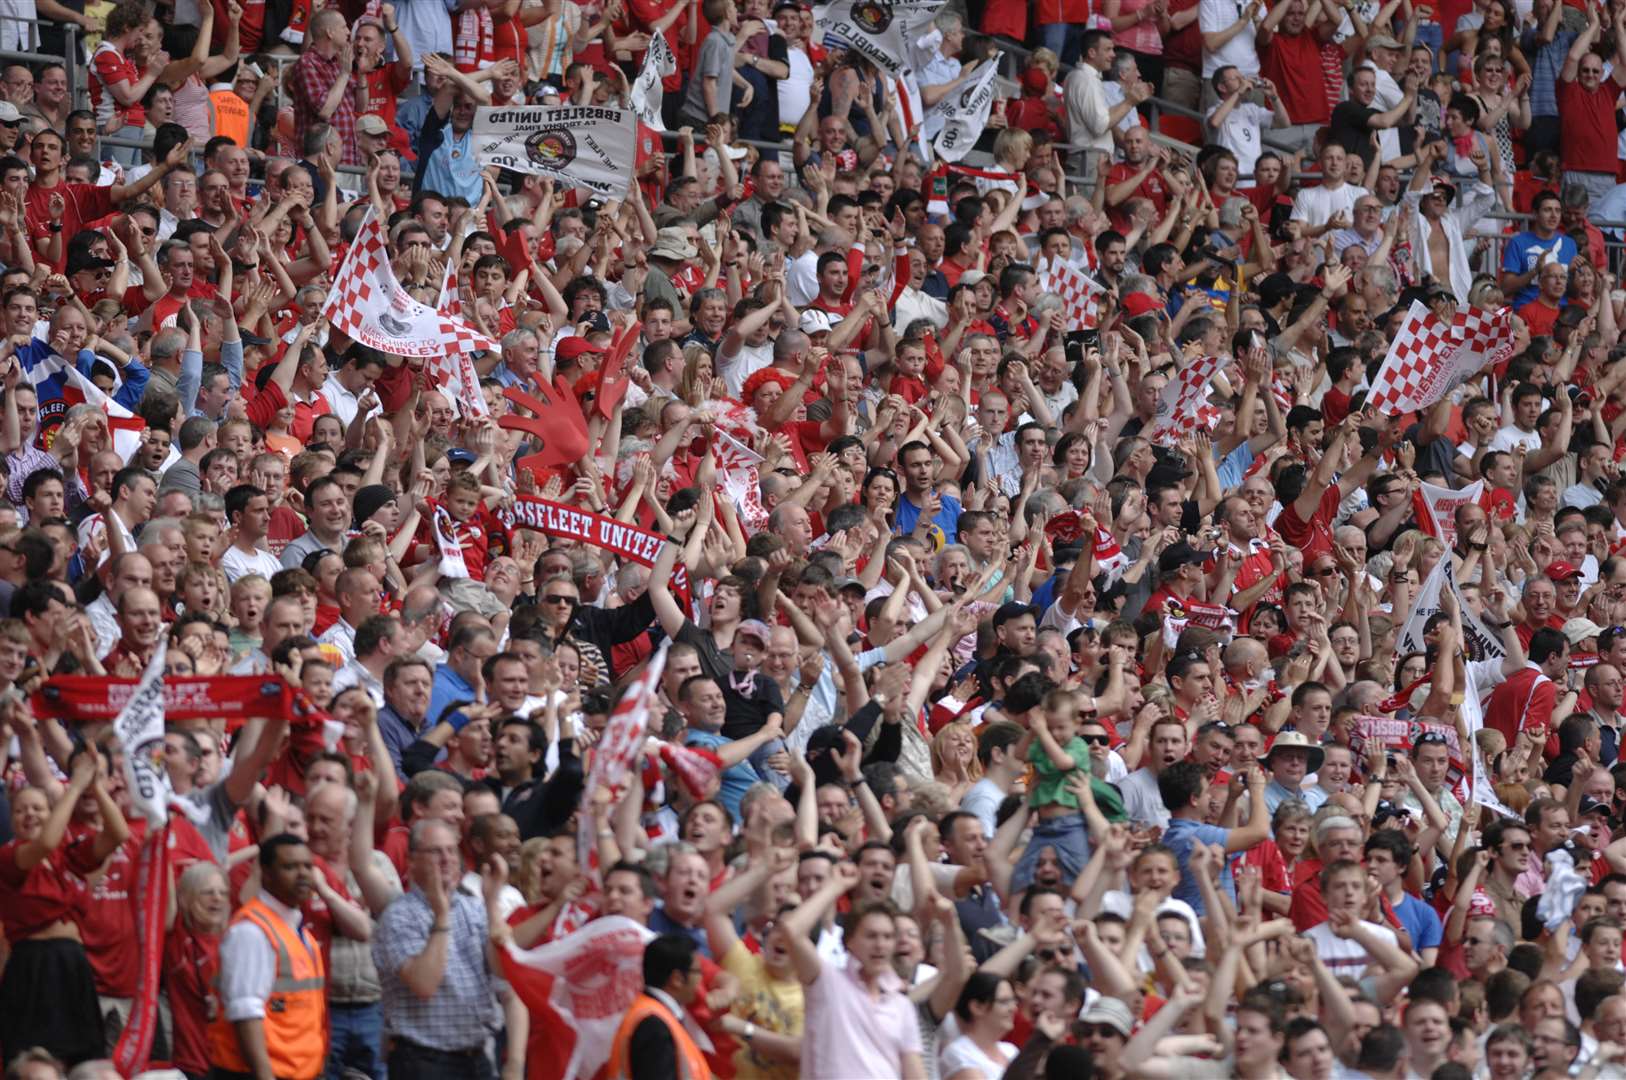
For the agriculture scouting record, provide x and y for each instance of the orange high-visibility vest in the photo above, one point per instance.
(295, 1013)
(691, 1062)
(231, 116)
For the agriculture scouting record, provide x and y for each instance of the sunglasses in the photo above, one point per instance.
(1097, 740)
(1432, 738)
(569, 601)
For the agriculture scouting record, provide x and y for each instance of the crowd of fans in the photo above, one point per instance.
(1002, 727)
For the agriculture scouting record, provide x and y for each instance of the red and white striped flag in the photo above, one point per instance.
(1430, 357)
(1080, 295)
(1183, 406)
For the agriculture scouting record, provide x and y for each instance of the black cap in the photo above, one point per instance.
(1012, 610)
(1180, 554)
(1589, 805)
(87, 261)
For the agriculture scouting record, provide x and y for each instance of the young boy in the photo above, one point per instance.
(1184, 789)
(458, 521)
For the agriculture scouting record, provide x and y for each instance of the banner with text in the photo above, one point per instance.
(88, 699)
(647, 92)
(580, 146)
(965, 114)
(627, 541)
(1479, 642)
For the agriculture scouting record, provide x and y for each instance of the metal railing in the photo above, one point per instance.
(74, 63)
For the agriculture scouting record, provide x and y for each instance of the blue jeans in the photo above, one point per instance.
(1067, 837)
(357, 1040)
(759, 761)
(128, 156)
(1063, 39)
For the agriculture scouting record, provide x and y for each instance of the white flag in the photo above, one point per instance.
(1442, 504)
(1473, 718)
(140, 731)
(874, 29)
(647, 92)
(579, 146)
(1480, 643)
(122, 424)
(965, 114)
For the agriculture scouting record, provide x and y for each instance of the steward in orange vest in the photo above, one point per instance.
(652, 1043)
(293, 1028)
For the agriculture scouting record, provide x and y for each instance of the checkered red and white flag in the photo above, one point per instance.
(1183, 407)
(368, 305)
(1080, 295)
(1431, 357)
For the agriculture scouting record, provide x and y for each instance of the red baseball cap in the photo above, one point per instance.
(571, 348)
(1562, 571)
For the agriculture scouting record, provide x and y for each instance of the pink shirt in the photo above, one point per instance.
(849, 1031)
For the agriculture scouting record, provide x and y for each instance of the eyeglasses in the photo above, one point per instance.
(569, 601)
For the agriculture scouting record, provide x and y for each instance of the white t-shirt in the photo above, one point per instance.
(737, 367)
(1345, 956)
(237, 564)
(962, 1053)
(1215, 16)
(1507, 438)
(1239, 132)
(1315, 206)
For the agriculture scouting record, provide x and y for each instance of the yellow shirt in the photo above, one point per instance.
(771, 1004)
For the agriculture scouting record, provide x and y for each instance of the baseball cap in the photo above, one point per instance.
(1578, 629)
(753, 628)
(459, 456)
(1109, 1011)
(814, 321)
(87, 261)
(1012, 610)
(1178, 555)
(1559, 570)
(371, 124)
(9, 113)
(1589, 805)
(572, 348)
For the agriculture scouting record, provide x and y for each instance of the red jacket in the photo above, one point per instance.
(1526, 699)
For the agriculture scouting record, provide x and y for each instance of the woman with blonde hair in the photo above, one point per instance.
(695, 385)
(954, 758)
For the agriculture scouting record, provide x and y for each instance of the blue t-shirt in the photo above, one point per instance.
(1420, 921)
(1178, 838)
(1525, 250)
(736, 780)
(946, 522)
